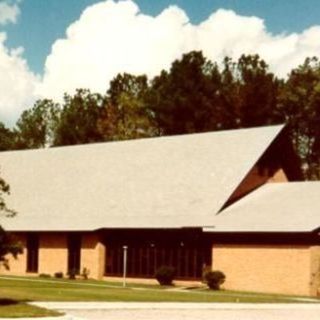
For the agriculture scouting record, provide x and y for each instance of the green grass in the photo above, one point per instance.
(19, 309)
(89, 290)
(16, 292)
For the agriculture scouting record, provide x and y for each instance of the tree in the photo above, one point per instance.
(7, 138)
(249, 93)
(125, 115)
(185, 99)
(196, 95)
(78, 119)
(37, 126)
(8, 245)
(135, 86)
(300, 104)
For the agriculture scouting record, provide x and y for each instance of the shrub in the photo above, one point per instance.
(85, 273)
(214, 279)
(58, 275)
(44, 275)
(165, 275)
(72, 274)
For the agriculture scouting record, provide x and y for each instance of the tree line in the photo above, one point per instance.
(195, 95)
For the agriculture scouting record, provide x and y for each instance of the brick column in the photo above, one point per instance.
(53, 253)
(92, 255)
(315, 271)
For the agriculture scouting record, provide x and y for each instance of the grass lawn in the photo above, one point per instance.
(19, 309)
(20, 290)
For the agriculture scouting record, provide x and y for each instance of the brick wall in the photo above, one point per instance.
(262, 268)
(53, 253)
(315, 271)
(254, 179)
(278, 176)
(92, 255)
(17, 266)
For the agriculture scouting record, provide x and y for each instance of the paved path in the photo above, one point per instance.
(185, 311)
(65, 317)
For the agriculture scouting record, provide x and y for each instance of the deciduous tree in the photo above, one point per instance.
(185, 99)
(249, 92)
(8, 244)
(78, 119)
(7, 138)
(300, 104)
(36, 127)
(125, 115)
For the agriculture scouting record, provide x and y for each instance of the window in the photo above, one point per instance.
(143, 260)
(188, 251)
(32, 252)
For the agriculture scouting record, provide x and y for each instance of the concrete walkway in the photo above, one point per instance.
(183, 311)
(65, 317)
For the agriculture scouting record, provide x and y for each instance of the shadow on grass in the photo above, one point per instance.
(8, 302)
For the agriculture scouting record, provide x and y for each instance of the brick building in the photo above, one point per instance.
(229, 200)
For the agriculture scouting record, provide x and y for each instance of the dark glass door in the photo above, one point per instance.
(74, 248)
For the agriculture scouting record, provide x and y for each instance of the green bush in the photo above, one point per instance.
(72, 274)
(85, 273)
(214, 279)
(58, 275)
(44, 275)
(165, 275)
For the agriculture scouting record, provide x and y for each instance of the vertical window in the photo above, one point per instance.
(32, 252)
(74, 247)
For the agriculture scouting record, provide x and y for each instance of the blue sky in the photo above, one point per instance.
(49, 47)
(41, 22)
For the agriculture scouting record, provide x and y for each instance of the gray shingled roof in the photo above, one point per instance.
(166, 182)
(275, 207)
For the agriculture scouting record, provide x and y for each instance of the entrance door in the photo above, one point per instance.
(74, 247)
(32, 252)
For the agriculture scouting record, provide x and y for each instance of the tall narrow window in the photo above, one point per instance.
(32, 252)
(74, 247)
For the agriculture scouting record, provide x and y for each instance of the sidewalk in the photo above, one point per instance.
(183, 311)
(180, 311)
(174, 306)
(65, 317)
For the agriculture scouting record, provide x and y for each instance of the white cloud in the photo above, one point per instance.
(112, 37)
(9, 12)
(17, 83)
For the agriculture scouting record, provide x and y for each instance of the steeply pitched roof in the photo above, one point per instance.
(162, 182)
(275, 207)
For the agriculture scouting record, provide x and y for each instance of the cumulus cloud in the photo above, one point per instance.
(112, 37)
(233, 35)
(17, 83)
(9, 12)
